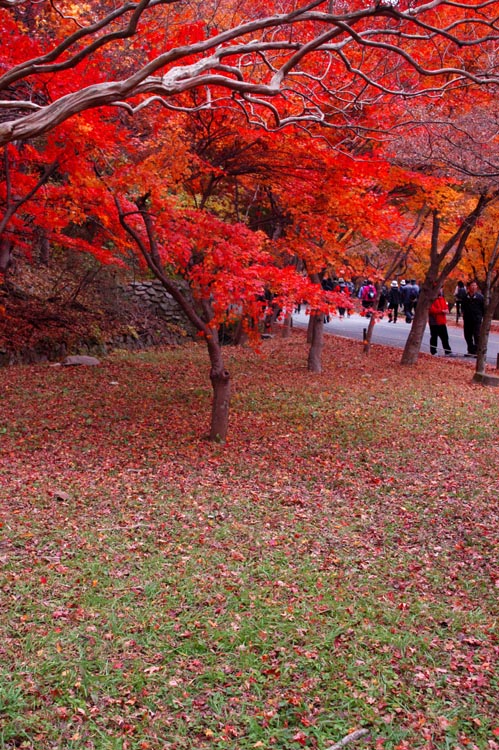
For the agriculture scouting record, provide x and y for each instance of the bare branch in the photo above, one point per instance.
(40, 64)
(242, 61)
(14, 205)
(352, 737)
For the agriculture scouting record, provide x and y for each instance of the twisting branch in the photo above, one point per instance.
(242, 62)
(154, 264)
(39, 65)
(14, 205)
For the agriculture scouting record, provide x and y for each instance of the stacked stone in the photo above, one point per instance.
(153, 294)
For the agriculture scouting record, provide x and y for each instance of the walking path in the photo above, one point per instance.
(390, 334)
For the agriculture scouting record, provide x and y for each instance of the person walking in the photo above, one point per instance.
(407, 294)
(459, 294)
(360, 290)
(328, 286)
(412, 296)
(472, 308)
(368, 297)
(393, 302)
(382, 298)
(342, 287)
(402, 286)
(437, 318)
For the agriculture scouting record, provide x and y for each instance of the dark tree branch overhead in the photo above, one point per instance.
(257, 64)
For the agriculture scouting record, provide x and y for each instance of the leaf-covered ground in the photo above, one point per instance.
(333, 567)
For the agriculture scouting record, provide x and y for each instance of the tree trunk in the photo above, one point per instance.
(220, 381)
(310, 328)
(43, 248)
(286, 326)
(5, 257)
(219, 376)
(240, 334)
(315, 334)
(317, 342)
(491, 293)
(443, 260)
(369, 334)
(483, 339)
(413, 343)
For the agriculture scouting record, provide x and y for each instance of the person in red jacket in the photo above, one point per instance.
(437, 319)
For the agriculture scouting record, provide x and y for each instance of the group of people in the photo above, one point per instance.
(470, 304)
(338, 285)
(403, 298)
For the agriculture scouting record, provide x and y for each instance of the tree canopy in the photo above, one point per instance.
(320, 61)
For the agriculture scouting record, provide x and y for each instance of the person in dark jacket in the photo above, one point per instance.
(411, 294)
(393, 301)
(459, 294)
(382, 298)
(408, 295)
(472, 308)
(402, 287)
(342, 287)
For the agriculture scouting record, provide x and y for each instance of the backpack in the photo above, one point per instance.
(369, 292)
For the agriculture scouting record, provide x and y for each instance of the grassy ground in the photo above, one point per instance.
(333, 567)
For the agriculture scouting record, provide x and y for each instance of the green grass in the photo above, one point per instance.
(333, 567)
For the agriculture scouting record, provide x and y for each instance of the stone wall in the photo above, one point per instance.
(154, 295)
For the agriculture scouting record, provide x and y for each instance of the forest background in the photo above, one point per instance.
(231, 151)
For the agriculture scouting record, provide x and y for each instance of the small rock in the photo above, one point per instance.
(62, 496)
(81, 359)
